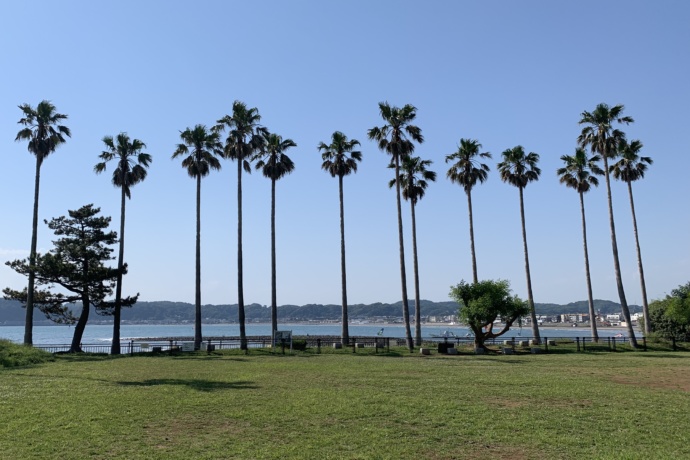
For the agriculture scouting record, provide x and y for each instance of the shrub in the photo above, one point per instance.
(14, 355)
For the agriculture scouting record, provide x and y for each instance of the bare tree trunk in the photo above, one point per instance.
(274, 302)
(475, 279)
(417, 303)
(403, 280)
(616, 264)
(530, 297)
(115, 346)
(345, 335)
(240, 279)
(29, 323)
(197, 293)
(590, 299)
(645, 306)
(79, 328)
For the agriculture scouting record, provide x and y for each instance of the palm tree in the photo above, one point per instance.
(629, 168)
(392, 138)
(201, 149)
(603, 139)
(415, 178)
(241, 143)
(467, 171)
(519, 169)
(578, 174)
(130, 170)
(43, 131)
(337, 162)
(274, 164)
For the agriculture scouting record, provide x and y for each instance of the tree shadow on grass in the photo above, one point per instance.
(195, 384)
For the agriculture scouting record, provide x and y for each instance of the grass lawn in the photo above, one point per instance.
(349, 406)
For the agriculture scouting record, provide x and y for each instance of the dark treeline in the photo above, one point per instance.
(11, 312)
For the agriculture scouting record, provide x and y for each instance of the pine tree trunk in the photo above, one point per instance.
(274, 302)
(475, 279)
(29, 324)
(81, 323)
(403, 281)
(345, 335)
(530, 297)
(645, 306)
(197, 293)
(240, 279)
(115, 347)
(417, 303)
(590, 299)
(616, 264)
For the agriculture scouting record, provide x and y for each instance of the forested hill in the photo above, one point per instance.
(11, 313)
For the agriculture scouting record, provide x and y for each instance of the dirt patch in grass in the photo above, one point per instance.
(477, 451)
(662, 379)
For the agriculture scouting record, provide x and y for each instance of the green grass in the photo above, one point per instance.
(349, 406)
(14, 355)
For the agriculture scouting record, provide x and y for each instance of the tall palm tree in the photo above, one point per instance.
(130, 170)
(629, 168)
(44, 133)
(200, 148)
(337, 162)
(467, 171)
(415, 178)
(274, 164)
(579, 174)
(519, 169)
(242, 142)
(602, 138)
(395, 138)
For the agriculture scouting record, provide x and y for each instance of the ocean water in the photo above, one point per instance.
(94, 334)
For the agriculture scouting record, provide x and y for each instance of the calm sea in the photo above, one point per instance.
(103, 333)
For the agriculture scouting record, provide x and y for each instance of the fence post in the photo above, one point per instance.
(609, 340)
(546, 344)
(131, 347)
(644, 343)
(170, 347)
(354, 347)
(584, 339)
(577, 339)
(614, 344)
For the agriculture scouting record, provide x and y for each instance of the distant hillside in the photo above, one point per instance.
(11, 313)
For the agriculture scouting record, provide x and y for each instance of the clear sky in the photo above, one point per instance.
(506, 73)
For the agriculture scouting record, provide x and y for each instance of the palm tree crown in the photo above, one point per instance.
(243, 139)
(272, 160)
(335, 155)
(467, 171)
(392, 137)
(42, 129)
(599, 133)
(518, 169)
(131, 161)
(631, 166)
(414, 178)
(202, 147)
(579, 171)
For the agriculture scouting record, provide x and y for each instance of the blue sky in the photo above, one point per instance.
(502, 72)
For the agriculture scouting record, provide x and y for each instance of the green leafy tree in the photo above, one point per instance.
(396, 138)
(242, 143)
(519, 169)
(45, 133)
(200, 149)
(579, 173)
(274, 164)
(602, 138)
(76, 264)
(670, 317)
(415, 178)
(339, 160)
(466, 171)
(482, 303)
(130, 169)
(630, 168)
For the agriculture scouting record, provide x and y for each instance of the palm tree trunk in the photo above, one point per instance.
(616, 264)
(417, 303)
(403, 281)
(530, 297)
(474, 258)
(274, 302)
(197, 293)
(345, 335)
(590, 299)
(29, 324)
(115, 347)
(240, 279)
(645, 306)
(75, 347)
